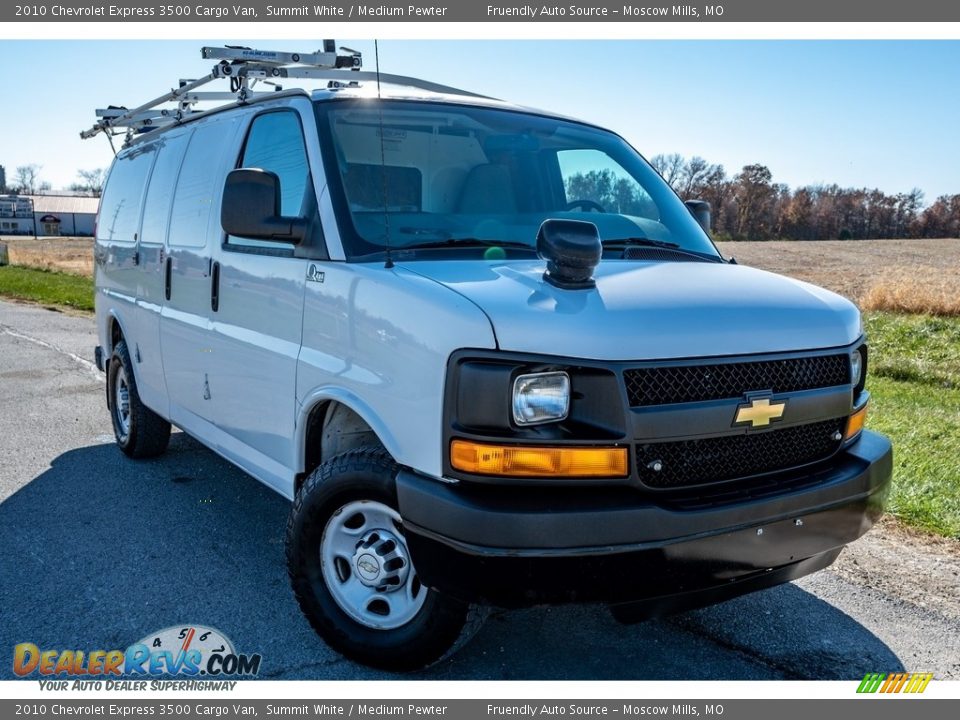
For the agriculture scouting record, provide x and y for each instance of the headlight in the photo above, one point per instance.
(541, 398)
(856, 368)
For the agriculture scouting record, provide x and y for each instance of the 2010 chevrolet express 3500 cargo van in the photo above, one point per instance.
(486, 351)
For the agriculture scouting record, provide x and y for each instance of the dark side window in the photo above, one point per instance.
(275, 143)
(122, 200)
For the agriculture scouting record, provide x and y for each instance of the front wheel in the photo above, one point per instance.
(352, 573)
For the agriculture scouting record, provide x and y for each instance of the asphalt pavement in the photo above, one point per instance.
(99, 550)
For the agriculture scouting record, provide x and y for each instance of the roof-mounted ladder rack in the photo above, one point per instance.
(245, 68)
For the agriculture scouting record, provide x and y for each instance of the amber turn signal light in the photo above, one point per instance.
(855, 423)
(523, 461)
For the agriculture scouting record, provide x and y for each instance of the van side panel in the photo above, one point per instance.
(256, 331)
(185, 324)
(115, 249)
(379, 340)
(145, 328)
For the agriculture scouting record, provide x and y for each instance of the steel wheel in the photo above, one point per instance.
(121, 406)
(366, 566)
(140, 432)
(351, 571)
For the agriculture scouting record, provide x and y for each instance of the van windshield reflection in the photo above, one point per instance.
(416, 175)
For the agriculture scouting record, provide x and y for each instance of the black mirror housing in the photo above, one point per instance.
(700, 209)
(572, 249)
(251, 208)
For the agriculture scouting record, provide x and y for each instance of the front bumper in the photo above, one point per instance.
(515, 546)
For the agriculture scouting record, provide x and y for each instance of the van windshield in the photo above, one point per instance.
(438, 177)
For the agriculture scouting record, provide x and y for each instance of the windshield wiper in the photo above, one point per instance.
(662, 244)
(641, 242)
(468, 243)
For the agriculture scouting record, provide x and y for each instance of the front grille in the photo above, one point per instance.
(710, 460)
(696, 383)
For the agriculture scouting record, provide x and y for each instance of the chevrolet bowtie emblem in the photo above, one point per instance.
(760, 412)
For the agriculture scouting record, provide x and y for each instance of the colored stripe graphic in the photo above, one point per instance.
(871, 682)
(894, 682)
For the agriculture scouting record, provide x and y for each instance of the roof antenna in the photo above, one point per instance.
(383, 159)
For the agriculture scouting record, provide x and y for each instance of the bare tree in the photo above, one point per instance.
(693, 177)
(28, 179)
(669, 166)
(91, 181)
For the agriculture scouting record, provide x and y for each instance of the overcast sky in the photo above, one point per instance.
(856, 113)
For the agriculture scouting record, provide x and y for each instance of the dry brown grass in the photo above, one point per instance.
(914, 276)
(72, 255)
(898, 291)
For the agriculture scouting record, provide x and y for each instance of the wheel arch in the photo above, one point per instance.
(115, 330)
(114, 333)
(317, 407)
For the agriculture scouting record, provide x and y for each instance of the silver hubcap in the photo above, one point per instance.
(121, 400)
(367, 567)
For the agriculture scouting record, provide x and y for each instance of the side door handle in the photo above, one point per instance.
(168, 267)
(215, 287)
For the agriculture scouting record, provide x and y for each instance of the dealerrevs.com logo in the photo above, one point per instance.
(181, 650)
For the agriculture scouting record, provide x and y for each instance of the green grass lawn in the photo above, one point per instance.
(47, 288)
(915, 386)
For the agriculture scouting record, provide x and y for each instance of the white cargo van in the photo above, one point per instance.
(487, 353)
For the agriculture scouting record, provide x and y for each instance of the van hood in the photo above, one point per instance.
(650, 310)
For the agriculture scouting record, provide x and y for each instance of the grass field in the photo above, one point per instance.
(71, 255)
(47, 287)
(872, 273)
(914, 382)
(909, 289)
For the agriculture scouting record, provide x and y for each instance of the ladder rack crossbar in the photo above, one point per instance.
(111, 113)
(123, 120)
(270, 57)
(246, 68)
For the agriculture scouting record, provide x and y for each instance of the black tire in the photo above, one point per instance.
(139, 431)
(441, 625)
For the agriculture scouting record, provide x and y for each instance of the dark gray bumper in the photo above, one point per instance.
(516, 546)
(577, 520)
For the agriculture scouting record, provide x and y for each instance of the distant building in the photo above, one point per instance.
(47, 214)
(16, 215)
(3, 179)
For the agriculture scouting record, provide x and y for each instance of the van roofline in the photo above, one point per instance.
(367, 91)
(200, 115)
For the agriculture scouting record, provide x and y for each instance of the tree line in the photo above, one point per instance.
(747, 206)
(751, 206)
(26, 180)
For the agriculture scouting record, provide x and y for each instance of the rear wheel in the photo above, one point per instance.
(352, 573)
(139, 431)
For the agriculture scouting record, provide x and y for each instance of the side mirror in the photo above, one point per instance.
(700, 209)
(251, 208)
